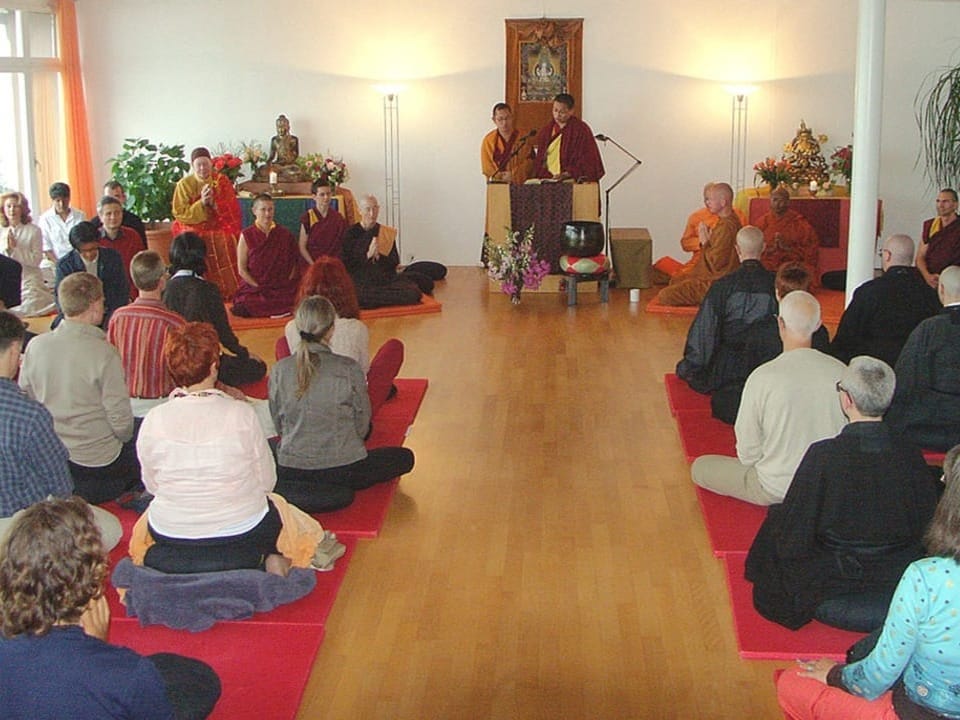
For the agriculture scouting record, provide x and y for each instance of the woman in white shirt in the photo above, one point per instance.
(22, 241)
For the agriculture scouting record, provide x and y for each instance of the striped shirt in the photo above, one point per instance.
(138, 331)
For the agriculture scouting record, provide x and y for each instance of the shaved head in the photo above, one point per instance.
(950, 285)
(725, 191)
(901, 249)
(750, 242)
(800, 313)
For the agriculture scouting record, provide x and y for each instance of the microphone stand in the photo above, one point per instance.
(506, 161)
(637, 162)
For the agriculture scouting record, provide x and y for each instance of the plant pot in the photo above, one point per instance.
(159, 238)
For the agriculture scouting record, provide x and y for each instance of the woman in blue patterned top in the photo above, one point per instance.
(913, 672)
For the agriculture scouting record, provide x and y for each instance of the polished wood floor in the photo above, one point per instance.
(545, 558)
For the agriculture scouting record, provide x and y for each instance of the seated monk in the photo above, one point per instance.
(690, 240)
(321, 227)
(787, 236)
(284, 151)
(566, 149)
(940, 241)
(505, 153)
(267, 262)
(718, 255)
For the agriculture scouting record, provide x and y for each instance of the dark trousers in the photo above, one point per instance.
(193, 687)
(333, 488)
(99, 484)
(234, 552)
(238, 371)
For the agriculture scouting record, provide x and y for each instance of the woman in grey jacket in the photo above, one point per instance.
(321, 409)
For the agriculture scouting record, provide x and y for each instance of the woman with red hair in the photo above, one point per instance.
(206, 460)
(328, 277)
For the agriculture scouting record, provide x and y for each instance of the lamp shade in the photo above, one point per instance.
(582, 238)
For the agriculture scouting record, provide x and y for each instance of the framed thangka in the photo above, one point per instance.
(544, 58)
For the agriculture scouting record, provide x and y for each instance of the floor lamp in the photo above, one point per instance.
(391, 159)
(739, 102)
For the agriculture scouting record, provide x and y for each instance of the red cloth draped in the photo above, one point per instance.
(579, 155)
(271, 259)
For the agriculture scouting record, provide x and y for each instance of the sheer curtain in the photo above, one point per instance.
(78, 161)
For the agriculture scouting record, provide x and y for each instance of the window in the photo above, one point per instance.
(33, 144)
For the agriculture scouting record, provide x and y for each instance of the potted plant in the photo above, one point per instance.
(149, 173)
(937, 107)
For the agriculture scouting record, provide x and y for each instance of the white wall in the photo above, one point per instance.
(210, 71)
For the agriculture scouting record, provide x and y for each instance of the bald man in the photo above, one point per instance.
(718, 255)
(788, 403)
(884, 311)
(690, 240)
(926, 404)
(787, 235)
(713, 354)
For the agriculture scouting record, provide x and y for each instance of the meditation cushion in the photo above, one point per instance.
(858, 612)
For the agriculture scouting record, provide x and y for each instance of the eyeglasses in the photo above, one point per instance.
(881, 251)
(840, 388)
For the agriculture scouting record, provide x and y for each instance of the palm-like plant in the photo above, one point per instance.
(937, 108)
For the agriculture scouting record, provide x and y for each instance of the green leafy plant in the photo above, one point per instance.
(937, 108)
(149, 173)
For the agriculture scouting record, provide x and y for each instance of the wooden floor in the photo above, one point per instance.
(545, 558)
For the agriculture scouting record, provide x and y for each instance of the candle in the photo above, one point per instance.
(273, 177)
(813, 186)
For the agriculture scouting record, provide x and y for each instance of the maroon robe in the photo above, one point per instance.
(943, 247)
(579, 155)
(324, 234)
(270, 259)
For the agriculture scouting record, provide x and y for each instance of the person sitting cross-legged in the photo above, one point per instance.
(787, 404)
(103, 262)
(55, 661)
(321, 409)
(853, 518)
(78, 377)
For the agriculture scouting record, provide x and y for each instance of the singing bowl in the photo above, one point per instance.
(582, 238)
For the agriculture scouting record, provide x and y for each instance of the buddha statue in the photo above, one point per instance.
(804, 155)
(284, 151)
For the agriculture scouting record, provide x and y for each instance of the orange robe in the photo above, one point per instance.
(797, 242)
(717, 259)
(493, 149)
(690, 241)
(218, 226)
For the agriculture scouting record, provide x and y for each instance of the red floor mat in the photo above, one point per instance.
(681, 397)
(731, 524)
(702, 434)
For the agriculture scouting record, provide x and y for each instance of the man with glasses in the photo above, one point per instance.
(853, 518)
(884, 311)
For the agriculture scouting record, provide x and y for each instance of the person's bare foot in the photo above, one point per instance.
(277, 565)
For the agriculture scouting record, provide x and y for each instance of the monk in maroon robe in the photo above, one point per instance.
(321, 227)
(566, 148)
(267, 260)
(940, 240)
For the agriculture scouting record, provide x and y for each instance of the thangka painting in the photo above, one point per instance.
(544, 59)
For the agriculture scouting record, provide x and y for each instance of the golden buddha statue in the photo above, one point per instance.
(804, 155)
(284, 151)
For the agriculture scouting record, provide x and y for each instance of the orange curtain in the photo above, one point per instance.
(79, 163)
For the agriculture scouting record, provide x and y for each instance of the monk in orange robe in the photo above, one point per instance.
(718, 255)
(690, 240)
(787, 236)
(506, 153)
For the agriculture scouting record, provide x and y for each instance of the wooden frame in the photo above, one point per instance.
(544, 58)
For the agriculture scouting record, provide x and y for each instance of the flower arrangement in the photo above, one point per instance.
(773, 172)
(253, 155)
(515, 264)
(316, 165)
(841, 162)
(226, 163)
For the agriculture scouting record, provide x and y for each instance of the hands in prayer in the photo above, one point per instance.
(372, 252)
(704, 232)
(206, 195)
(11, 239)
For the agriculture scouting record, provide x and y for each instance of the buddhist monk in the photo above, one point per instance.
(506, 152)
(690, 240)
(787, 236)
(718, 252)
(321, 227)
(940, 241)
(267, 257)
(566, 148)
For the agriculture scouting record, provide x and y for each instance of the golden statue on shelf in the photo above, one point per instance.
(804, 155)
(284, 151)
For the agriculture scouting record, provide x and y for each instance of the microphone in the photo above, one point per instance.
(601, 137)
(531, 133)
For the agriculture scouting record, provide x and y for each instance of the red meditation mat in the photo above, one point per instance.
(655, 307)
(702, 434)
(731, 524)
(426, 306)
(245, 323)
(831, 306)
(760, 639)
(365, 516)
(681, 397)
